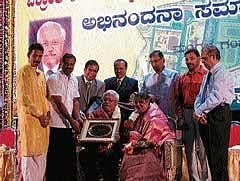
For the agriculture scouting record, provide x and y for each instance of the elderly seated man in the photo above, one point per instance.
(100, 160)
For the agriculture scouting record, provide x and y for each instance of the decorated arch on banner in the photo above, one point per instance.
(7, 64)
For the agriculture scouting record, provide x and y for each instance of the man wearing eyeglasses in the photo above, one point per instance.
(162, 84)
(212, 111)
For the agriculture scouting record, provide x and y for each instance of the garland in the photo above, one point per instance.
(7, 63)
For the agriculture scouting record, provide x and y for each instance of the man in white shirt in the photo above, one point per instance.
(65, 116)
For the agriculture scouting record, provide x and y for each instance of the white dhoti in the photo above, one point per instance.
(33, 168)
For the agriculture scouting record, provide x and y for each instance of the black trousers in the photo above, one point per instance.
(99, 165)
(61, 156)
(215, 136)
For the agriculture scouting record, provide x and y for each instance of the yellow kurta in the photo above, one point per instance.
(31, 104)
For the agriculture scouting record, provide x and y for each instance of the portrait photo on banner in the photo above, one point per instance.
(56, 37)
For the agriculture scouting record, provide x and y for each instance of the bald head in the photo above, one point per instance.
(52, 36)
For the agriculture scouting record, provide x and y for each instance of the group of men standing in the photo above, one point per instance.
(199, 100)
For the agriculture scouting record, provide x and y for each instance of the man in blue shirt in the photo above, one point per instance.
(212, 111)
(162, 84)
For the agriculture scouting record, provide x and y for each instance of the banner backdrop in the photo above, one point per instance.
(105, 30)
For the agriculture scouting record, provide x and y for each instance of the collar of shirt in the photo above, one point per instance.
(166, 71)
(85, 80)
(38, 71)
(215, 68)
(200, 70)
(45, 69)
(65, 76)
(121, 79)
(162, 72)
(34, 69)
(30, 66)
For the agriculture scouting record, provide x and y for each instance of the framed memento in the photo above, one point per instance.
(99, 130)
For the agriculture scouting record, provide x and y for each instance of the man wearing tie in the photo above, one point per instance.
(122, 84)
(212, 111)
(90, 88)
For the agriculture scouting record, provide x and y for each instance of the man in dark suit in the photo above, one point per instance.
(90, 89)
(124, 86)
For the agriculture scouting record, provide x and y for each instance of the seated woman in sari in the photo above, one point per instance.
(142, 156)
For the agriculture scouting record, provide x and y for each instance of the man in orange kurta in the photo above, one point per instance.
(33, 113)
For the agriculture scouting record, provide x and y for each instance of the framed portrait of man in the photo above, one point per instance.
(55, 35)
(100, 130)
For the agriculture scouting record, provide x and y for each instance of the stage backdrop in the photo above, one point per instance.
(106, 30)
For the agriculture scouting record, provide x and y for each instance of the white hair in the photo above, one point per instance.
(113, 93)
(49, 24)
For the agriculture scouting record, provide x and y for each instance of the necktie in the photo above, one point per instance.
(205, 87)
(49, 72)
(88, 85)
(118, 83)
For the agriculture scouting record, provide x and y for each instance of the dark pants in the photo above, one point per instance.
(215, 136)
(189, 135)
(61, 156)
(124, 132)
(194, 148)
(97, 164)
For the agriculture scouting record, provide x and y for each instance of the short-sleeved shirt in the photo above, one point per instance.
(60, 84)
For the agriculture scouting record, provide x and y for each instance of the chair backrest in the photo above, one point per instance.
(8, 137)
(171, 123)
